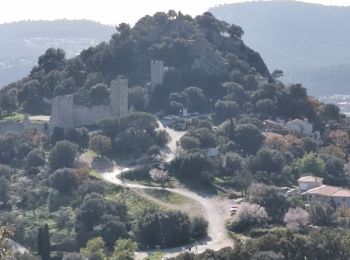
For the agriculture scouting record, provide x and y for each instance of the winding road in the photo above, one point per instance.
(214, 208)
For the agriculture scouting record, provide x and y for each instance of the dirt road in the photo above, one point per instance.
(214, 208)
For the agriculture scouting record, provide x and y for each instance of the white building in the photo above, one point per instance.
(300, 127)
(336, 196)
(213, 152)
(309, 182)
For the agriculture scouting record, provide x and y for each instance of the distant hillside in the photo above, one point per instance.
(23, 42)
(208, 66)
(309, 42)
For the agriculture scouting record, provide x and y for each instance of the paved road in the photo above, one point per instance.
(215, 209)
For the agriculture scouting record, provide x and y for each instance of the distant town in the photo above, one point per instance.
(342, 101)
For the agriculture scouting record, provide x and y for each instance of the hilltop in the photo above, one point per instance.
(309, 42)
(172, 134)
(201, 52)
(23, 42)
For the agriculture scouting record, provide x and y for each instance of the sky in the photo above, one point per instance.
(108, 11)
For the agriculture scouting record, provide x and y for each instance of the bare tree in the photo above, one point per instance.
(296, 219)
(159, 176)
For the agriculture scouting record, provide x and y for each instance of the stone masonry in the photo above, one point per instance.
(157, 73)
(67, 115)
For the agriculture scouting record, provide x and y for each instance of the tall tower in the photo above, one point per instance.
(62, 112)
(119, 96)
(157, 73)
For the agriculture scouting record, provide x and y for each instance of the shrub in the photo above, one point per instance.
(271, 198)
(100, 144)
(162, 228)
(62, 155)
(153, 150)
(296, 219)
(5, 171)
(248, 216)
(34, 158)
(73, 256)
(199, 227)
(63, 180)
(322, 215)
(159, 175)
(162, 138)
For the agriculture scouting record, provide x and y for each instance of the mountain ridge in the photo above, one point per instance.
(24, 41)
(296, 37)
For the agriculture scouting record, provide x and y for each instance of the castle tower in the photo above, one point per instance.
(157, 73)
(119, 96)
(62, 112)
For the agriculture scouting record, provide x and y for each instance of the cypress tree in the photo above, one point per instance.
(43, 242)
(39, 240)
(46, 243)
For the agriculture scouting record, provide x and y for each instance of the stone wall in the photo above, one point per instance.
(157, 73)
(67, 115)
(119, 97)
(90, 115)
(62, 112)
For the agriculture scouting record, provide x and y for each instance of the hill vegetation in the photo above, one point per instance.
(231, 96)
(307, 41)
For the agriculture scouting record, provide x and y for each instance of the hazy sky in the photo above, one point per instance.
(108, 11)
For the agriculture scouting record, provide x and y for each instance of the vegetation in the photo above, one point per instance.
(228, 148)
(284, 244)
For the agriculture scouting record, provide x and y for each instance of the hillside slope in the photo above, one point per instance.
(309, 42)
(22, 42)
(208, 66)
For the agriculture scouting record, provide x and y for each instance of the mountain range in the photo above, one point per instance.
(309, 42)
(23, 42)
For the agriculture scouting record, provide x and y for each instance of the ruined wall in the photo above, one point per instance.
(90, 115)
(157, 73)
(66, 115)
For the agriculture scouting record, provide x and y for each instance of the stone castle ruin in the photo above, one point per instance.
(158, 71)
(65, 114)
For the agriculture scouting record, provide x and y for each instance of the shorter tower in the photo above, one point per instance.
(157, 73)
(119, 97)
(62, 112)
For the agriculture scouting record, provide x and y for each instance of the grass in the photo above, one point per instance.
(91, 154)
(237, 237)
(155, 256)
(135, 204)
(168, 197)
(223, 181)
(16, 117)
(95, 174)
(141, 176)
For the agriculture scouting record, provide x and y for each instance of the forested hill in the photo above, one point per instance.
(309, 42)
(23, 42)
(208, 64)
